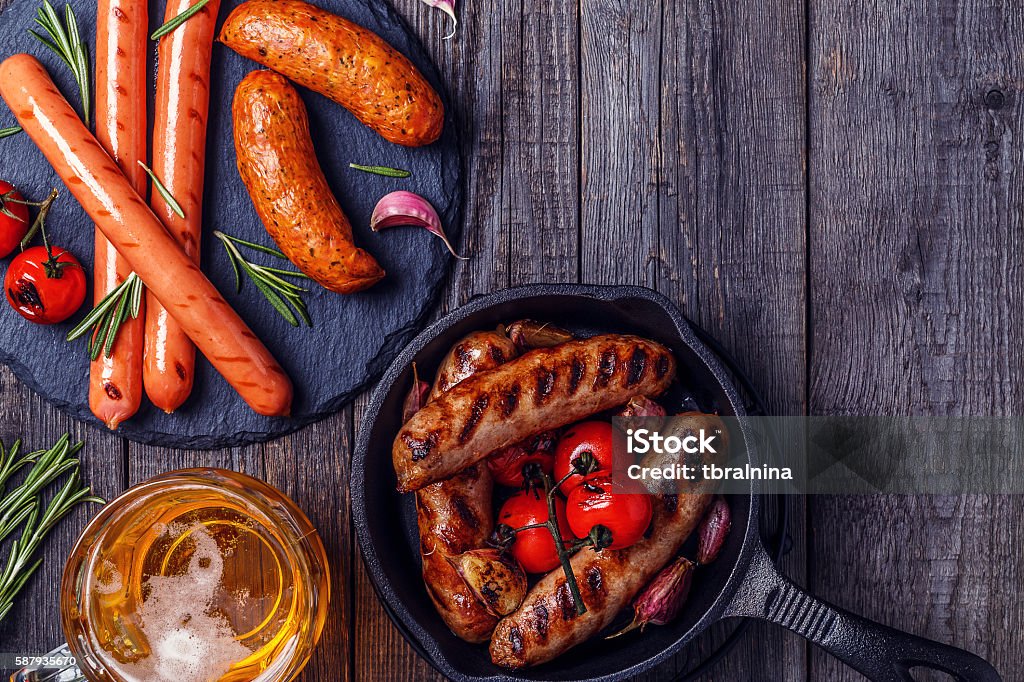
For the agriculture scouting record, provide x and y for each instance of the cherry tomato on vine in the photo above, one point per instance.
(593, 437)
(45, 287)
(13, 218)
(507, 464)
(599, 502)
(534, 548)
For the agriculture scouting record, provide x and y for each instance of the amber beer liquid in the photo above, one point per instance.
(200, 574)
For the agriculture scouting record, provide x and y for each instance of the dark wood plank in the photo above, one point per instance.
(33, 627)
(310, 467)
(693, 183)
(916, 299)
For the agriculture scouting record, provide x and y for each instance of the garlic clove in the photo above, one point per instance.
(663, 598)
(405, 209)
(494, 578)
(448, 7)
(417, 396)
(529, 334)
(714, 529)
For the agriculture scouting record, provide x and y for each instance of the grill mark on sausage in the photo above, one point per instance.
(515, 638)
(671, 503)
(180, 370)
(576, 372)
(606, 367)
(112, 391)
(545, 385)
(510, 401)
(595, 581)
(463, 358)
(540, 621)
(565, 601)
(476, 412)
(637, 366)
(465, 512)
(662, 366)
(420, 448)
(497, 355)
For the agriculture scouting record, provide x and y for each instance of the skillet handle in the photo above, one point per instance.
(881, 653)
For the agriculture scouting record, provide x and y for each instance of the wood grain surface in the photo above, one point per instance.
(831, 189)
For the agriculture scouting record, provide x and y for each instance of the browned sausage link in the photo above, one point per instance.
(278, 165)
(546, 624)
(455, 515)
(343, 61)
(541, 390)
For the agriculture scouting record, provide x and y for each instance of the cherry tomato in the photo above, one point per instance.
(507, 464)
(45, 288)
(593, 437)
(13, 218)
(534, 548)
(600, 502)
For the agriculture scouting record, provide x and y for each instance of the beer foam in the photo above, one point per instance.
(188, 639)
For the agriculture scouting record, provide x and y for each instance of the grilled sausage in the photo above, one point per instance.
(343, 61)
(546, 625)
(179, 160)
(115, 382)
(455, 515)
(138, 235)
(541, 390)
(278, 165)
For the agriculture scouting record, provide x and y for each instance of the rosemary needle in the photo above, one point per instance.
(178, 20)
(162, 191)
(109, 315)
(22, 507)
(66, 41)
(7, 132)
(279, 292)
(386, 171)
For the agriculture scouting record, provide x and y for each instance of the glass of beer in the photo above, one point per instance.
(199, 574)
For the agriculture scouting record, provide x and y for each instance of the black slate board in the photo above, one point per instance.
(354, 338)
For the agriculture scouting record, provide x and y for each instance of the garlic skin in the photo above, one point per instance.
(530, 334)
(448, 7)
(663, 598)
(403, 208)
(714, 529)
(417, 396)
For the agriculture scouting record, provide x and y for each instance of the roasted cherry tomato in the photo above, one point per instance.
(507, 463)
(45, 287)
(593, 437)
(13, 218)
(534, 548)
(599, 502)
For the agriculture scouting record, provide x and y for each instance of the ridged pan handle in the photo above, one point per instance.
(879, 652)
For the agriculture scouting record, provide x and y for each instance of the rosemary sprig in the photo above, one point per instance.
(178, 20)
(66, 42)
(23, 508)
(162, 191)
(109, 315)
(382, 170)
(7, 132)
(279, 292)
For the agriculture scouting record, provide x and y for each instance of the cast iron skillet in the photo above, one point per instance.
(743, 582)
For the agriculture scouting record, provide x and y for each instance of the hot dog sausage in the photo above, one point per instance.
(179, 161)
(546, 624)
(339, 59)
(137, 234)
(278, 165)
(455, 515)
(543, 389)
(115, 382)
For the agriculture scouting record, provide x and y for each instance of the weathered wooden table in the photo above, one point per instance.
(835, 192)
